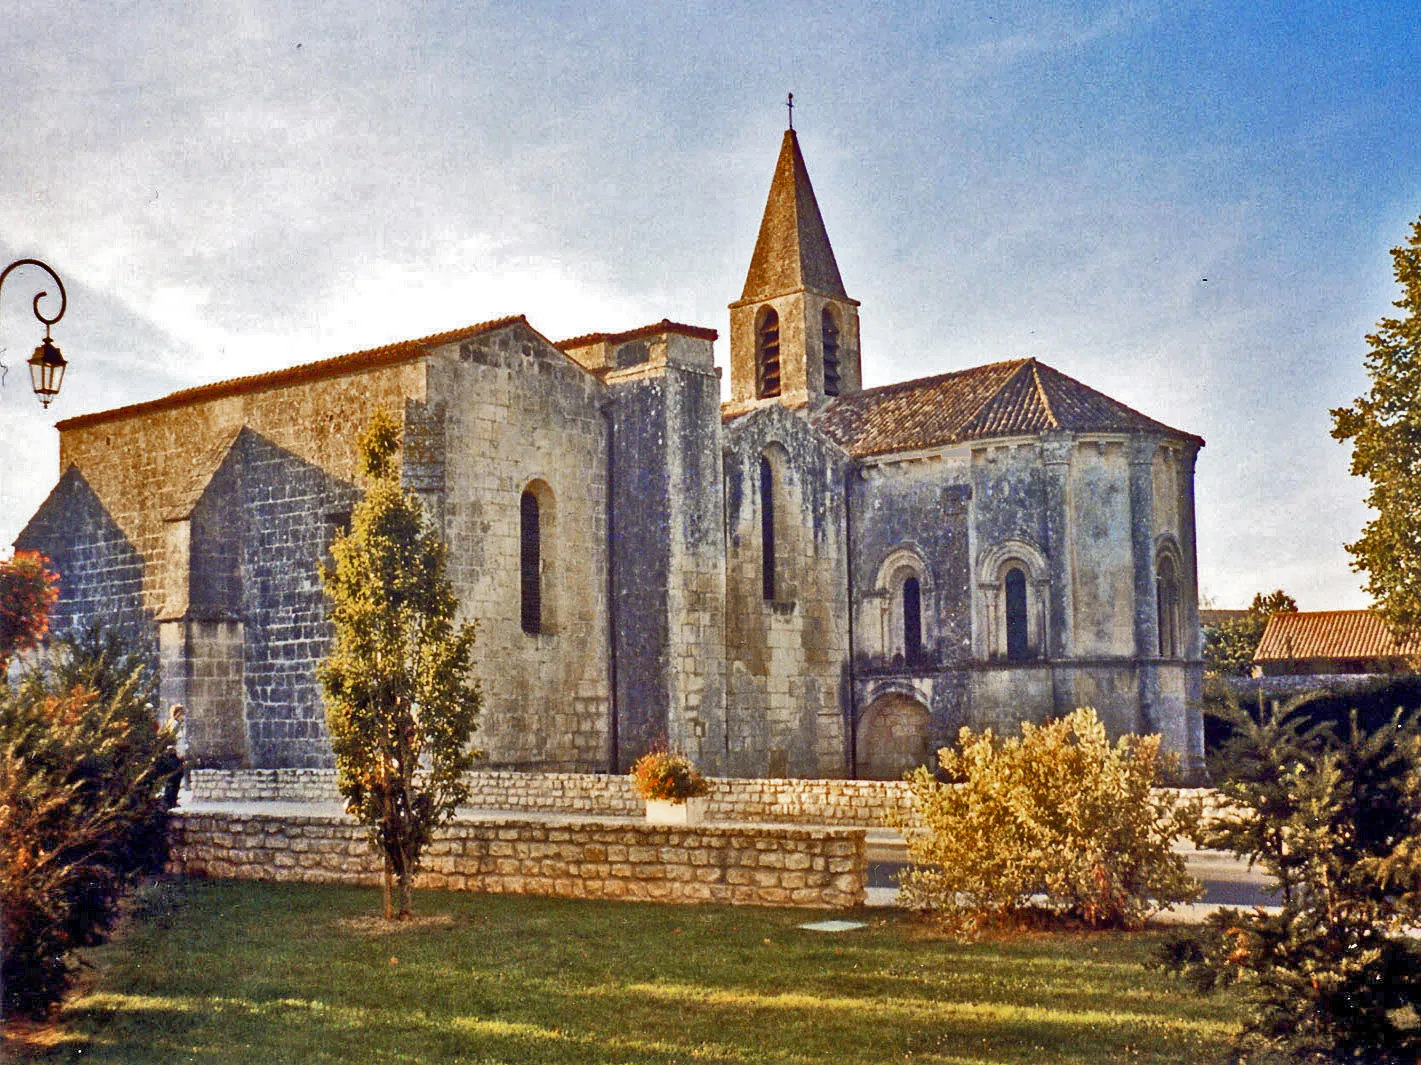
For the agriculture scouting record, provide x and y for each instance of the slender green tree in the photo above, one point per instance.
(1385, 429)
(401, 704)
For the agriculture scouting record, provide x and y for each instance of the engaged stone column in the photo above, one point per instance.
(1194, 651)
(1056, 452)
(1142, 547)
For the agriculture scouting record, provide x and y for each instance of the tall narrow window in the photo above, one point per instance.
(912, 619)
(831, 353)
(1167, 604)
(1018, 635)
(767, 526)
(767, 348)
(530, 563)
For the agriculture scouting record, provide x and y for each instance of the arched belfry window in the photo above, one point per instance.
(1017, 618)
(530, 559)
(767, 526)
(1167, 604)
(767, 353)
(831, 353)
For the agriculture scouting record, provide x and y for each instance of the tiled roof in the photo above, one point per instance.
(792, 251)
(1330, 634)
(1014, 398)
(388, 355)
(663, 326)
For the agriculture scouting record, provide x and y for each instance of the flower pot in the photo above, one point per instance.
(686, 812)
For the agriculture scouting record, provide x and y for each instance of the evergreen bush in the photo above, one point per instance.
(1057, 822)
(1334, 814)
(84, 771)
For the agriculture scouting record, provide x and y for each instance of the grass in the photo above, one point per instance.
(237, 972)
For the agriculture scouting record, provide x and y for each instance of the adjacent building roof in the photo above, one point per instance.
(1330, 634)
(387, 355)
(792, 251)
(1016, 398)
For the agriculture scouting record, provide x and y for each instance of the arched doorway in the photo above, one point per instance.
(893, 738)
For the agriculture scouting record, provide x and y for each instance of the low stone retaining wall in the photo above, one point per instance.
(759, 865)
(863, 803)
(859, 803)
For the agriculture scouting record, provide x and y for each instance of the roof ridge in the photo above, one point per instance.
(666, 325)
(996, 392)
(352, 362)
(1117, 404)
(1041, 391)
(920, 382)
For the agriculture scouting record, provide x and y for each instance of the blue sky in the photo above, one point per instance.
(1186, 205)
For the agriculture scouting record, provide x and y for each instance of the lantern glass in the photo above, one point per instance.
(47, 371)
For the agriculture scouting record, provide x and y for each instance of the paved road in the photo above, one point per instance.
(1227, 881)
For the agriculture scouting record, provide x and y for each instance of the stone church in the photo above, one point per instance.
(809, 579)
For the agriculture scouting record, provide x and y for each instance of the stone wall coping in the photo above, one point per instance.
(303, 814)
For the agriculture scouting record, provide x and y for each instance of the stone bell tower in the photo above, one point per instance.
(794, 332)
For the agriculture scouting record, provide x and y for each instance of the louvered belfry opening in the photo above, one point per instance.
(530, 563)
(1018, 645)
(912, 619)
(768, 353)
(831, 353)
(767, 527)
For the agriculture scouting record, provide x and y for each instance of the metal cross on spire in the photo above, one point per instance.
(790, 104)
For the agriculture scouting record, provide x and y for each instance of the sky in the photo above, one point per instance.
(1186, 205)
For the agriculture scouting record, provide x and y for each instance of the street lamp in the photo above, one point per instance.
(46, 364)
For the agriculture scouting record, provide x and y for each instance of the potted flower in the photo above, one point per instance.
(673, 789)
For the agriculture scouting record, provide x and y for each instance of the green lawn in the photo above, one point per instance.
(266, 973)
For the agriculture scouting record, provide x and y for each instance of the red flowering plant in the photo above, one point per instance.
(667, 775)
(28, 589)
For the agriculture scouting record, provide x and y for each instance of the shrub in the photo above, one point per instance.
(667, 775)
(1334, 814)
(1057, 821)
(83, 775)
(27, 591)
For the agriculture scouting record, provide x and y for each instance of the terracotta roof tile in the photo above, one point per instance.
(1014, 398)
(387, 355)
(1330, 634)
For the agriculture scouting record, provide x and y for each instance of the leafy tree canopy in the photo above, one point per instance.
(1229, 647)
(401, 704)
(1385, 429)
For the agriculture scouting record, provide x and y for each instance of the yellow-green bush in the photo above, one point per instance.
(1058, 820)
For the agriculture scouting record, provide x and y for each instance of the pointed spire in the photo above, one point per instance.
(792, 252)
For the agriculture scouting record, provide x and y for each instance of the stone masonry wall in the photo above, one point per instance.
(141, 467)
(518, 415)
(787, 658)
(821, 868)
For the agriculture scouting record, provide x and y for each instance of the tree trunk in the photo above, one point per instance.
(406, 894)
